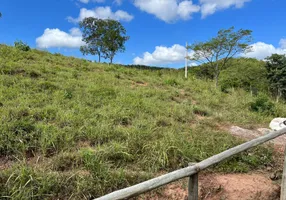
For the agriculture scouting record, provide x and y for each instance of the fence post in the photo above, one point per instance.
(283, 184)
(193, 186)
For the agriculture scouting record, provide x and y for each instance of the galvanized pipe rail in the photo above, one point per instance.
(192, 172)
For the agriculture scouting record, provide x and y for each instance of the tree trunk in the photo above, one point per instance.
(216, 75)
(111, 58)
(99, 57)
(216, 81)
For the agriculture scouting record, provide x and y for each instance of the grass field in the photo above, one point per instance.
(72, 129)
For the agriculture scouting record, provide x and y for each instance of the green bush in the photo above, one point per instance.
(171, 82)
(22, 46)
(199, 111)
(262, 104)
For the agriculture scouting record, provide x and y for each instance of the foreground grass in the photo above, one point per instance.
(77, 130)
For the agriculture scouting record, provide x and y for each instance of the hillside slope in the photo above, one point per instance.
(72, 129)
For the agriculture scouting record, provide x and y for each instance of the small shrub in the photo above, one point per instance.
(262, 104)
(117, 76)
(171, 82)
(200, 111)
(22, 46)
(75, 74)
(34, 74)
(58, 54)
(68, 94)
(46, 85)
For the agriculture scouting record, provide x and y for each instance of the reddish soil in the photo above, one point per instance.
(253, 186)
(138, 83)
(5, 163)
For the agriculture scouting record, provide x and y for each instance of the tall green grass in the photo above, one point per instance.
(76, 129)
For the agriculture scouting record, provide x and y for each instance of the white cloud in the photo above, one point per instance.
(209, 7)
(176, 54)
(162, 55)
(57, 38)
(102, 13)
(172, 10)
(87, 1)
(75, 32)
(168, 11)
(282, 43)
(118, 2)
(261, 50)
(84, 1)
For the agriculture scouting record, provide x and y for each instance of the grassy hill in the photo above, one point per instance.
(72, 129)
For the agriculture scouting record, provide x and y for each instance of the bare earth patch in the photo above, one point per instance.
(239, 186)
(251, 186)
(5, 163)
(222, 187)
(138, 83)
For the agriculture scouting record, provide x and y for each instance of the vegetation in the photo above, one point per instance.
(73, 129)
(222, 48)
(263, 104)
(245, 73)
(22, 46)
(103, 37)
(93, 33)
(276, 74)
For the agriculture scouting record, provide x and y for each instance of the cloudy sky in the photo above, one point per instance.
(158, 29)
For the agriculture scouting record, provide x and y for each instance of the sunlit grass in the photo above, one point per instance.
(96, 128)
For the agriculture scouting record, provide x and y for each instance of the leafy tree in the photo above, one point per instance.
(103, 37)
(93, 32)
(224, 46)
(114, 39)
(203, 71)
(276, 74)
(246, 73)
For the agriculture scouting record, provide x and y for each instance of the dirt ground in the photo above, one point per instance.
(254, 186)
(258, 185)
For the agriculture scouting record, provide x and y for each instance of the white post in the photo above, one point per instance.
(186, 61)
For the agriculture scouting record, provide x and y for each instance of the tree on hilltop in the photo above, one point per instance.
(93, 32)
(103, 37)
(220, 49)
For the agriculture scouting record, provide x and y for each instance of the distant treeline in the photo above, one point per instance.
(244, 73)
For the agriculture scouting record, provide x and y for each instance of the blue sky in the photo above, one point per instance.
(158, 29)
